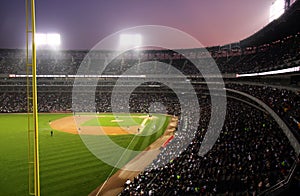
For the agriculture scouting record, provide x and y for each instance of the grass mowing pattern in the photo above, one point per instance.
(66, 166)
(13, 151)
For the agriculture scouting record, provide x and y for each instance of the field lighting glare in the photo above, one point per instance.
(130, 40)
(276, 10)
(50, 39)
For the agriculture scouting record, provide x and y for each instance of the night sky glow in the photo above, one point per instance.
(83, 23)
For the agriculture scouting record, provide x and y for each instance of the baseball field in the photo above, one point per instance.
(67, 167)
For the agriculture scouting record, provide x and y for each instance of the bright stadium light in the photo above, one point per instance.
(50, 39)
(130, 40)
(276, 10)
(53, 39)
(40, 39)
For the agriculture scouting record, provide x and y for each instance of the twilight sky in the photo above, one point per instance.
(83, 23)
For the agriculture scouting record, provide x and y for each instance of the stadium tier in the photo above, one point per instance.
(235, 59)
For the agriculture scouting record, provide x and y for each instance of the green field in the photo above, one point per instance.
(66, 165)
(106, 120)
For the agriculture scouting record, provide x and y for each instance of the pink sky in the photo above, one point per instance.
(83, 23)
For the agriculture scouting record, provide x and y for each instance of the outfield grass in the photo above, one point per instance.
(66, 166)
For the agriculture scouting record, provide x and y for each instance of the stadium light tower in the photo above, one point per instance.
(32, 109)
(277, 9)
(47, 39)
(130, 40)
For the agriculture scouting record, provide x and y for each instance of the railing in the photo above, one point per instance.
(277, 188)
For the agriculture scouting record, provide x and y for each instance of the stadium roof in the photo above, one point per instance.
(284, 26)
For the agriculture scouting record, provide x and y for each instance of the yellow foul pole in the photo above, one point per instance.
(35, 108)
(32, 101)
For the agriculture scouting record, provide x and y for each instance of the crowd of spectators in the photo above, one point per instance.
(13, 102)
(16, 102)
(279, 54)
(270, 56)
(12, 61)
(250, 155)
(286, 103)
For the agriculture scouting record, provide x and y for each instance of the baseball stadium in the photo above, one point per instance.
(152, 119)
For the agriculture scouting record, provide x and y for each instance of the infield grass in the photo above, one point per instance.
(114, 121)
(67, 167)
